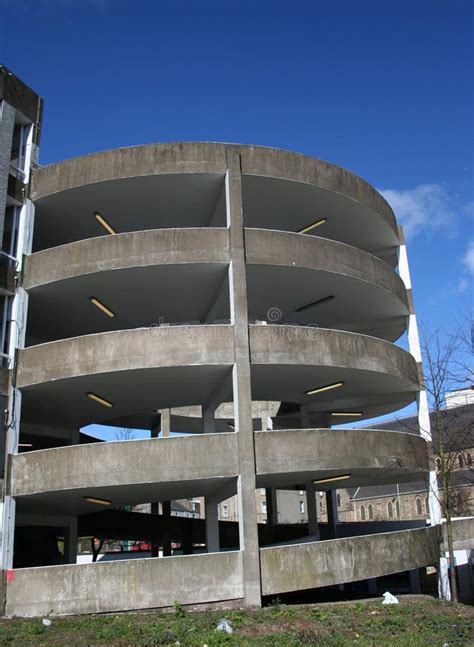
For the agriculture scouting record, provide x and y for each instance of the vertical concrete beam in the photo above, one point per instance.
(212, 526)
(312, 509)
(165, 422)
(241, 381)
(423, 409)
(333, 517)
(70, 541)
(271, 498)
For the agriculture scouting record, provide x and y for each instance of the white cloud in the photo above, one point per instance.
(424, 209)
(468, 258)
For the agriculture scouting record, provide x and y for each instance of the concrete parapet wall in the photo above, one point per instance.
(136, 249)
(268, 247)
(126, 462)
(125, 585)
(126, 350)
(463, 534)
(324, 563)
(306, 450)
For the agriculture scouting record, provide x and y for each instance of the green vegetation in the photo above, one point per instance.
(414, 622)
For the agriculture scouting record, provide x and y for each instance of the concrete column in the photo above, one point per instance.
(165, 422)
(423, 409)
(208, 420)
(415, 581)
(333, 517)
(372, 586)
(312, 509)
(272, 505)
(212, 526)
(70, 542)
(246, 484)
(166, 512)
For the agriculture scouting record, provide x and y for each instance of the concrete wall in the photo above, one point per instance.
(463, 534)
(267, 247)
(322, 347)
(125, 585)
(312, 565)
(312, 450)
(125, 350)
(136, 249)
(202, 157)
(127, 462)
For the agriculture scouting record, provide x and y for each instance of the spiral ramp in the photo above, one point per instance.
(241, 280)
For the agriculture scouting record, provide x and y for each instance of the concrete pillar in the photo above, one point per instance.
(165, 422)
(70, 542)
(212, 526)
(154, 505)
(272, 505)
(312, 509)
(372, 586)
(423, 409)
(415, 581)
(208, 420)
(333, 518)
(166, 512)
(187, 543)
(246, 484)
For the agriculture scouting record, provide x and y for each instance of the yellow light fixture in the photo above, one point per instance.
(101, 306)
(329, 479)
(93, 499)
(97, 398)
(327, 387)
(312, 226)
(349, 414)
(100, 218)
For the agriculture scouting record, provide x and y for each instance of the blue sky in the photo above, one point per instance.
(384, 88)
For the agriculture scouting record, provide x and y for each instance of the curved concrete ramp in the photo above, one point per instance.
(125, 585)
(324, 563)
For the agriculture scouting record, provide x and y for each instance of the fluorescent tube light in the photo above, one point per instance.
(101, 306)
(329, 479)
(313, 304)
(93, 499)
(104, 223)
(97, 398)
(327, 387)
(25, 444)
(312, 226)
(349, 414)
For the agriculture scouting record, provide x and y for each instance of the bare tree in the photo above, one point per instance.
(123, 433)
(446, 364)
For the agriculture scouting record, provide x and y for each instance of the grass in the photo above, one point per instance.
(414, 622)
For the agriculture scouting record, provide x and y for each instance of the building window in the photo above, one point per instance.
(338, 500)
(371, 511)
(398, 509)
(264, 506)
(438, 464)
(427, 505)
(362, 512)
(460, 461)
(302, 507)
(390, 509)
(419, 507)
(225, 510)
(469, 460)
